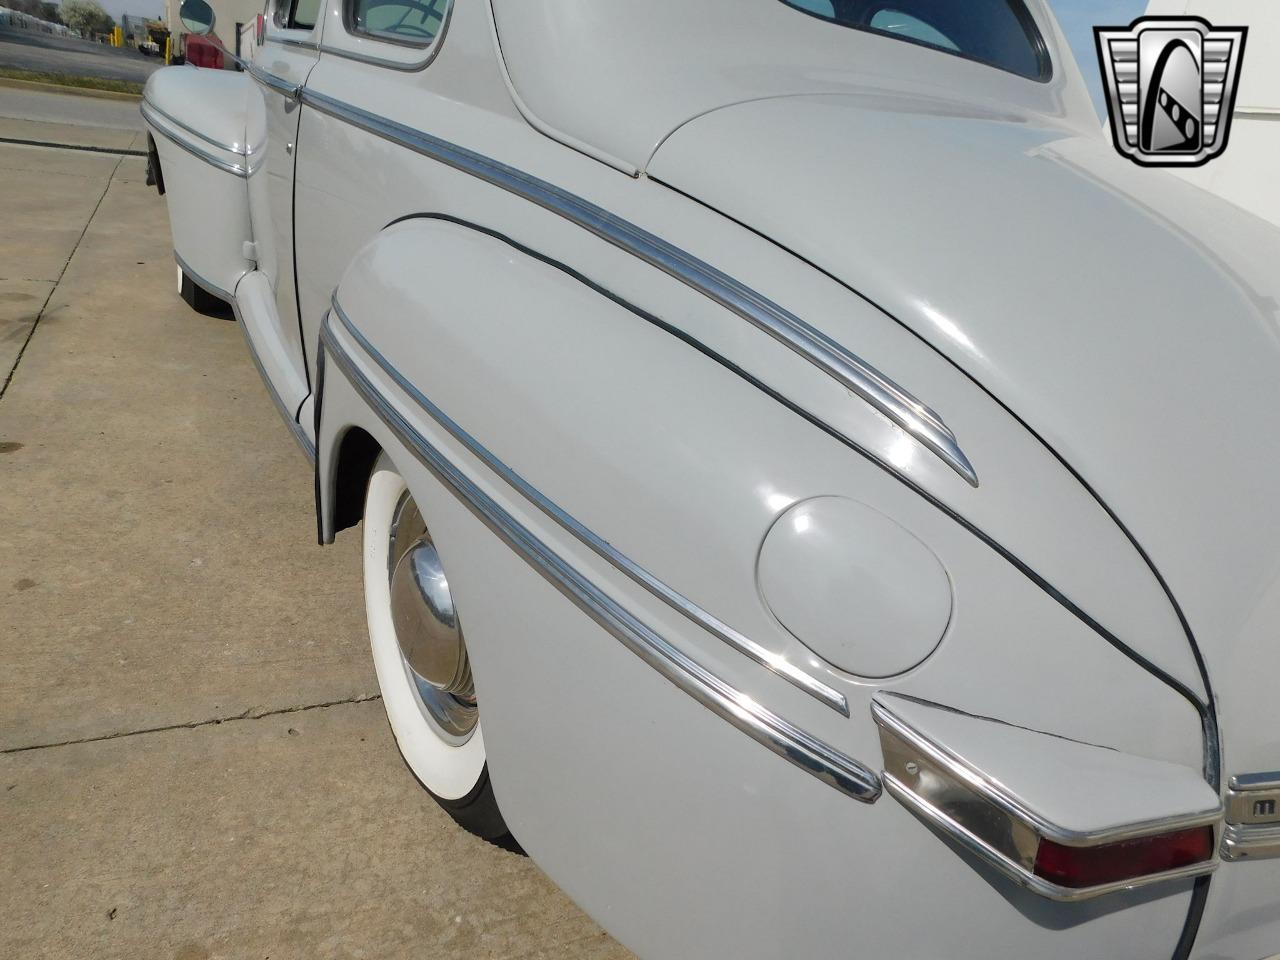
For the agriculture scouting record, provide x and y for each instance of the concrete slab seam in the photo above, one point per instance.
(62, 273)
(73, 146)
(248, 714)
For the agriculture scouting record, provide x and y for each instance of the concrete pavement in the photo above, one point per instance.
(69, 108)
(193, 759)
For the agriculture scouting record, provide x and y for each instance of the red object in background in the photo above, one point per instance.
(205, 51)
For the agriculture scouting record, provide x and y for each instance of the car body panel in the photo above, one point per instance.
(717, 509)
(206, 160)
(622, 77)
(287, 55)
(336, 194)
(628, 769)
(1150, 422)
(588, 380)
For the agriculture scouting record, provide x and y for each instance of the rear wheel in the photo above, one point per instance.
(421, 658)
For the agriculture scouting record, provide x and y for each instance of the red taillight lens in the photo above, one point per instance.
(1077, 867)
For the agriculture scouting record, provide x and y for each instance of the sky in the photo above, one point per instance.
(1078, 18)
(154, 9)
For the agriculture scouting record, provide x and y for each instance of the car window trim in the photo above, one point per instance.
(1019, 10)
(349, 21)
(431, 50)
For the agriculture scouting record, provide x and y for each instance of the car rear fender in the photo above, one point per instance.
(674, 460)
(477, 363)
(197, 119)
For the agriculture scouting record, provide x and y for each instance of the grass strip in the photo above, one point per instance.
(70, 80)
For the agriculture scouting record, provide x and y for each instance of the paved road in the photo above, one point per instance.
(28, 50)
(193, 760)
(67, 108)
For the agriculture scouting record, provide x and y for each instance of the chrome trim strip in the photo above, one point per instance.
(234, 169)
(765, 727)
(1015, 871)
(380, 61)
(681, 604)
(1253, 816)
(300, 435)
(229, 147)
(983, 817)
(207, 285)
(291, 41)
(805, 340)
(1269, 780)
(999, 796)
(291, 91)
(1258, 113)
(1250, 842)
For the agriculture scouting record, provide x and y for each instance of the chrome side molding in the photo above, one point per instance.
(807, 341)
(291, 41)
(620, 561)
(775, 733)
(226, 296)
(1241, 842)
(981, 813)
(239, 148)
(156, 120)
(1253, 817)
(286, 88)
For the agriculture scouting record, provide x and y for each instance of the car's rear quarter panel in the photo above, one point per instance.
(676, 831)
(683, 836)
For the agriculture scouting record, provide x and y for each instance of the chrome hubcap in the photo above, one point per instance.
(426, 624)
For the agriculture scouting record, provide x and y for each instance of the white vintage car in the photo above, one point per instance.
(815, 494)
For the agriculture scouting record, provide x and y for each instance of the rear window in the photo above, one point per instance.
(1000, 33)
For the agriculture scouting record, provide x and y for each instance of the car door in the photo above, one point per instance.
(289, 49)
(379, 52)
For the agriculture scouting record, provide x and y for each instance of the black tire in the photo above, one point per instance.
(477, 812)
(202, 301)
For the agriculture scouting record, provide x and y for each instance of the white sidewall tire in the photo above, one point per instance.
(450, 772)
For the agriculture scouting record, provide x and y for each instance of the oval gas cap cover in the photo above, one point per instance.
(854, 586)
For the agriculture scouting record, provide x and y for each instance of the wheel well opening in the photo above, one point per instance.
(357, 453)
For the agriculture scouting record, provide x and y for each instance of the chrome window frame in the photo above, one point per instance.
(431, 47)
(276, 28)
(1026, 19)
